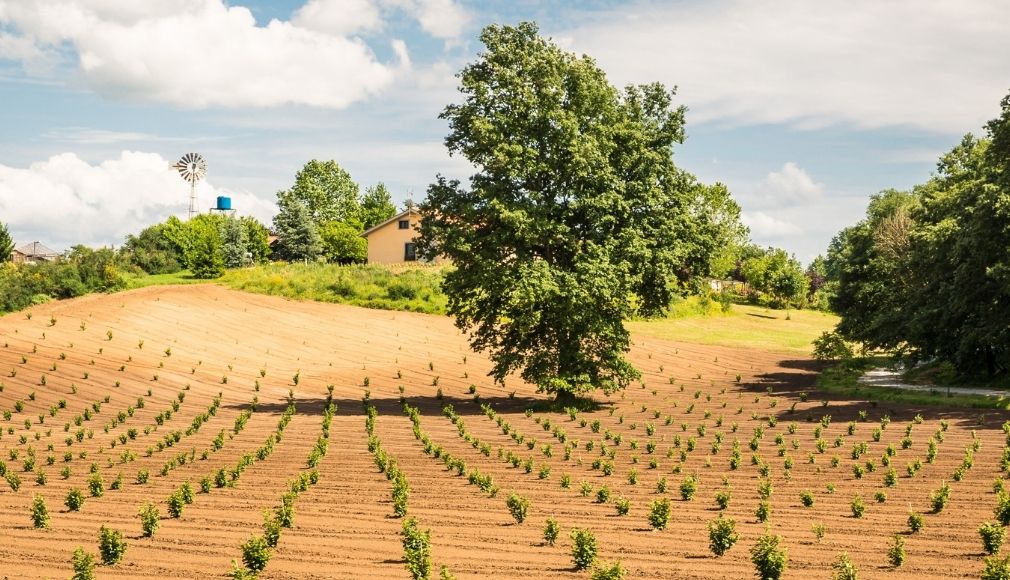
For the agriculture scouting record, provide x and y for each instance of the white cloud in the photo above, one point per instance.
(338, 16)
(64, 200)
(763, 225)
(203, 53)
(937, 65)
(791, 185)
(441, 18)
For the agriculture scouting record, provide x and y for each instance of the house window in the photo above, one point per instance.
(404, 224)
(409, 252)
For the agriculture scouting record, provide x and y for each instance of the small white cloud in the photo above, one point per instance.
(100, 204)
(441, 18)
(339, 16)
(790, 185)
(763, 225)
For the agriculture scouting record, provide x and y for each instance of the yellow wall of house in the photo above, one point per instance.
(386, 244)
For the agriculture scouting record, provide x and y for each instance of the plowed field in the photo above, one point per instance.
(126, 383)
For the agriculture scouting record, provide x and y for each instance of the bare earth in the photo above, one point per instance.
(220, 340)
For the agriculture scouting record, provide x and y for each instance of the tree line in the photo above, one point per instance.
(926, 274)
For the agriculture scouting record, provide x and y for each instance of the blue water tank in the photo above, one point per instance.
(223, 203)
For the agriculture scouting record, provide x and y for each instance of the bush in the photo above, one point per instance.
(769, 557)
(915, 521)
(255, 553)
(807, 498)
(896, 553)
(722, 499)
(583, 548)
(844, 569)
(996, 568)
(75, 500)
(176, 504)
(96, 485)
(518, 506)
(939, 498)
(763, 511)
(40, 513)
(150, 519)
(659, 513)
(857, 507)
(416, 549)
(111, 545)
(83, 564)
(992, 535)
(831, 346)
(551, 531)
(688, 488)
(608, 572)
(721, 535)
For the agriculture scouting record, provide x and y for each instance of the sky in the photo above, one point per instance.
(803, 109)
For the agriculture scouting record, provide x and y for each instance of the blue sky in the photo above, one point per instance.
(803, 108)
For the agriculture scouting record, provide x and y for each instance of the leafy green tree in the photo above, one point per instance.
(153, 251)
(234, 242)
(575, 219)
(342, 243)
(297, 235)
(205, 256)
(325, 189)
(777, 274)
(376, 206)
(257, 239)
(6, 243)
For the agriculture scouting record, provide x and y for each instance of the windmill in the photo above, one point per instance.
(192, 167)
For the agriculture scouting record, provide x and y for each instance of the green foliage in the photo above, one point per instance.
(518, 506)
(557, 240)
(992, 534)
(205, 255)
(659, 513)
(376, 206)
(417, 549)
(858, 507)
(111, 545)
(6, 243)
(996, 568)
(831, 346)
(774, 272)
(297, 235)
(915, 522)
(896, 553)
(769, 557)
(608, 572)
(234, 241)
(844, 569)
(722, 535)
(341, 243)
(551, 531)
(583, 548)
(939, 498)
(176, 504)
(255, 554)
(40, 513)
(75, 500)
(325, 190)
(150, 519)
(79, 272)
(83, 564)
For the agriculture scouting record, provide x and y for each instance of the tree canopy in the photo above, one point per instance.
(326, 190)
(6, 243)
(575, 219)
(927, 272)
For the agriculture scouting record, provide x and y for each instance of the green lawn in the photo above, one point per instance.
(743, 325)
(145, 280)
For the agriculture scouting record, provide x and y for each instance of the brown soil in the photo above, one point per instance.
(344, 526)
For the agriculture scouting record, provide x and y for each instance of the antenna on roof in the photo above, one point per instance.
(410, 199)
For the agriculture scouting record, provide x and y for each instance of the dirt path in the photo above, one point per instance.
(892, 379)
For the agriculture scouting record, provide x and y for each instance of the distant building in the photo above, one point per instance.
(392, 241)
(33, 253)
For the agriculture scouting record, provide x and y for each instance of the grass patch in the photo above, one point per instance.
(842, 379)
(743, 325)
(413, 288)
(134, 281)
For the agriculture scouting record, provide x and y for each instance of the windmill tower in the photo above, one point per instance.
(192, 167)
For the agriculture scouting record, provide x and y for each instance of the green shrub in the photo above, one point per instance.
(416, 549)
(518, 506)
(915, 522)
(150, 519)
(255, 553)
(939, 498)
(176, 504)
(40, 513)
(844, 569)
(111, 545)
(96, 485)
(721, 535)
(769, 557)
(583, 548)
(857, 507)
(992, 535)
(896, 553)
(75, 500)
(996, 568)
(551, 531)
(807, 498)
(722, 499)
(688, 488)
(83, 564)
(659, 513)
(763, 511)
(622, 505)
(608, 572)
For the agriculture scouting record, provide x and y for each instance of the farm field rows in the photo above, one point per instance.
(225, 364)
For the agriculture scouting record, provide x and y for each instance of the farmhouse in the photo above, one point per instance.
(33, 253)
(392, 241)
